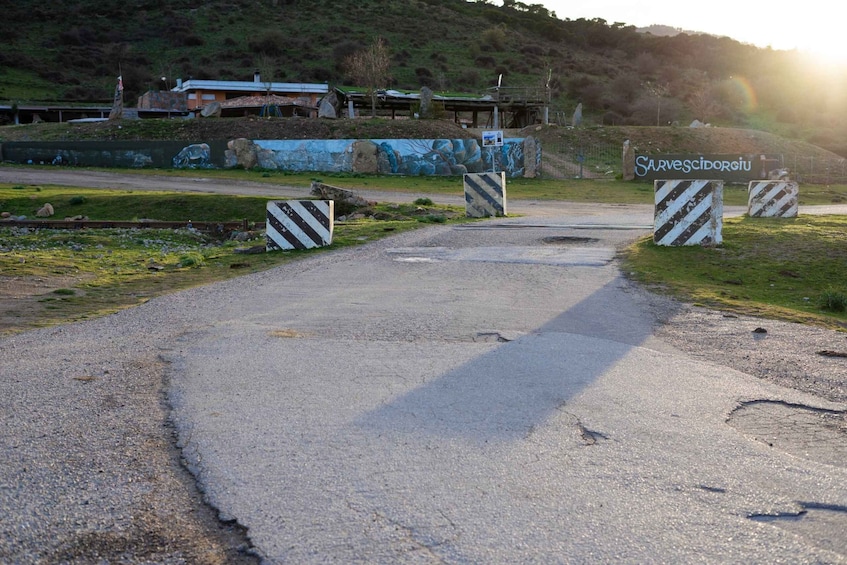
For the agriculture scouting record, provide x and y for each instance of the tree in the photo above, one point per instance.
(659, 91)
(369, 68)
(703, 104)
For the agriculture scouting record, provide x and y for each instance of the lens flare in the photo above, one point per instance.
(742, 87)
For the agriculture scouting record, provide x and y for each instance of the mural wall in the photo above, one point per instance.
(398, 156)
(120, 154)
(516, 157)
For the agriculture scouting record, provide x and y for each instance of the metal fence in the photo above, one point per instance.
(568, 161)
(815, 170)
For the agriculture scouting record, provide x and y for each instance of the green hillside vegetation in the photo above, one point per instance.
(73, 52)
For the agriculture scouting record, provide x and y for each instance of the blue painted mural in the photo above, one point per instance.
(394, 156)
(517, 157)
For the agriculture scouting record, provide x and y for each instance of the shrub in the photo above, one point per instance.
(485, 61)
(494, 37)
(271, 43)
(833, 300)
(433, 219)
(192, 259)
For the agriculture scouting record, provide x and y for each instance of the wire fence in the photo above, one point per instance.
(594, 161)
(815, 170)
(568, 161)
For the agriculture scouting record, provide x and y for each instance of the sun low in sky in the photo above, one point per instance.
(813, 27)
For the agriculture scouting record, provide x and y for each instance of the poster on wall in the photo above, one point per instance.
(492, 138)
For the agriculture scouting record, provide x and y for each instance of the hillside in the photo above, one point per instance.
(621, 76)
(682, 140)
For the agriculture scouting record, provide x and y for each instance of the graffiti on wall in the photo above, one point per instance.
(119, 154)
(517, 157)
(392, 156)
(194, 156)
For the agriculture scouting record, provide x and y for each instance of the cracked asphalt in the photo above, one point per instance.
(448, 395)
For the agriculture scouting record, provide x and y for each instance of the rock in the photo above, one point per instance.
(327, 192)
(243, 236)
(577, 116)
(426, 102)
(256, 249)
(212, 110)
(628, 161)
(5, 215)
(327, 106)
(45, 211)
(241, 152)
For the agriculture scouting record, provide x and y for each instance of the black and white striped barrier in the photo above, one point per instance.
(485, 194)
(772, 199)
(299, 224)
(688, 212)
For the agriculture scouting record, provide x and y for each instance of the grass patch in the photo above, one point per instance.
(101, 271)
(782, 268)
(104, 204)
(607, 191)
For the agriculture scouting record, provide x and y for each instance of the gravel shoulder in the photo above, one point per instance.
(802, 357)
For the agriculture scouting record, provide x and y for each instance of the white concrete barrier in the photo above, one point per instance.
(299, 224)
(688, 212)
(485, 194)
(772, 199)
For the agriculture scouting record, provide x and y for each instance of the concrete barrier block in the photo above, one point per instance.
(772, 199)
(485, 194)
(688, 212)
(299, 224)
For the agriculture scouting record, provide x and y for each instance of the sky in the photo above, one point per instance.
(812, 26)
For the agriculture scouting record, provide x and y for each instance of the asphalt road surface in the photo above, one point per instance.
(489, 393)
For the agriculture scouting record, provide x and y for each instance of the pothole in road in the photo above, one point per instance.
(802, 431)
(567, 240)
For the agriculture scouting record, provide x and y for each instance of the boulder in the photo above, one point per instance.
(426, 102)
(628, 157)
(45, 211)
(327, 106)
(336, 194)
(212, 110)
(241, 152)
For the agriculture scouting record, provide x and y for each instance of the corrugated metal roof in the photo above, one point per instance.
(252, 86)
